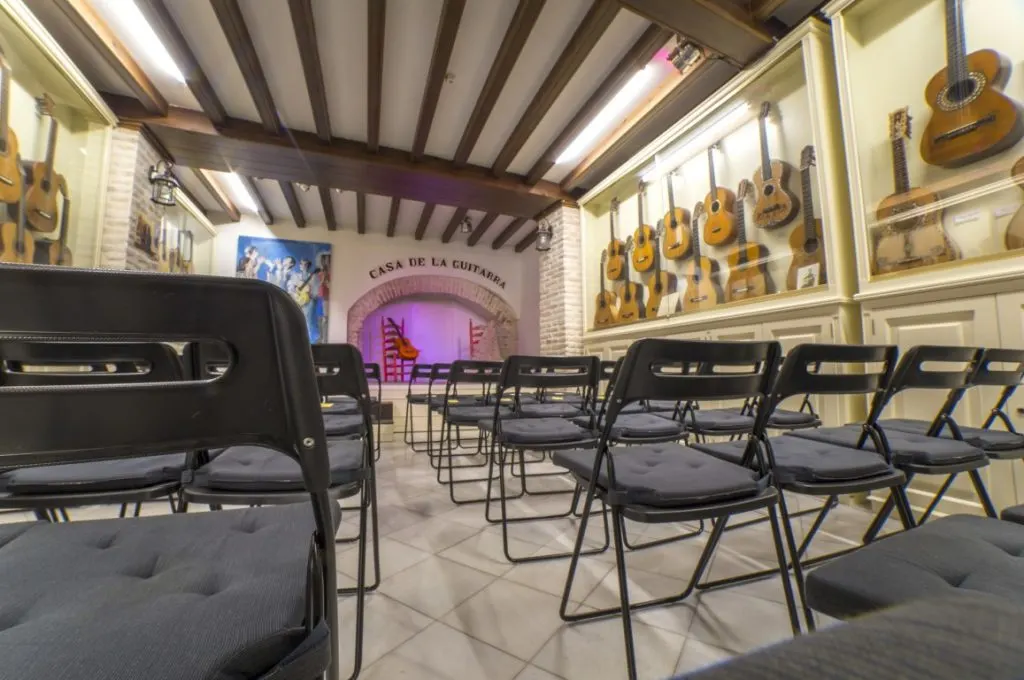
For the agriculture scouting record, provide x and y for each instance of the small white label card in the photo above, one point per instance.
(808, 276)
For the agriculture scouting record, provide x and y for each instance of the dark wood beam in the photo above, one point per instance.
(219, 195)
(244, 147)
(309, 53)
(328, 205)
(516, 34)
(642, 51)
(421, 228)
(288, 189)
(444, 43)
(376, 11)
(393, 216)
(257, 197)
(229, 14)
(361, 212)
(527, 241)
(481, 228)
(590, 30)
(763, 9)
(102, 39)
(170, 35)
(508, 231)
(453, 225)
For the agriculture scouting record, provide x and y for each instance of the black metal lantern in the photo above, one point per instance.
(163, 184)
(543, 236)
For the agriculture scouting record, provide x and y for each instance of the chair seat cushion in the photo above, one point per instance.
(472, 415)
(664, 475)
(509, 398)
(785, 419)
(661, 406)
(987, 440)
(437, 402)
(640, 425)
(204, 595)
(1013, 514)
(564, 398)
(907, 448)
(541, 431)
(718, 421)
(254, 468)
(95, 476)
(960, 553)
(340, 406)
(341, 426)
(550, 410)
(805, 460)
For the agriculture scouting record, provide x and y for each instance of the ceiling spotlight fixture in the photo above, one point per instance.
(164, 184)
(467, 226)
(685, 55)
(303, 187)
(543, 236)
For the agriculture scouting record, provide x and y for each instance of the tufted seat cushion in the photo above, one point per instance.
(718, 421)
(509, 398)
(95, 476)
(640, 425)
(550, 410)
(343, 425)
(540, 431)
(472, 415)
(785, 419)
(564, 398)
(254, 468)
(960, 553)
(661, 406)
(664, 475)
(907, 448)
(206, 595)
(990, 441)
(804, 460)
(340, 406)
(1013, 514)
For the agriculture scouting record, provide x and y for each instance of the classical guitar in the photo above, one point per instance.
(616, 248)
(748, 266)
(720, 225)
(806, 241)
(605, 312)
(41, 196)
(304, 292)
(406, 350)
(915, 241)
(702, 289)
(163, 253)
(631, 294)
(16, 244)
(661, 283)
(59, 253)
(644, 248)
(971, 118)
(1015, 230)
(775, 206)
(186, 244)
(676, 242)
(10, 170)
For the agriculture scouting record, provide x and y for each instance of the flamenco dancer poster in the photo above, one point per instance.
(301, 268)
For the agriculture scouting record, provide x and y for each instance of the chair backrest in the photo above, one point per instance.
(340, 372)
(1000, 377)
(800, 372)
(608, 368)
(37, 364)
(419, 373)
(911, 372)
(550, 373)
(372, 372)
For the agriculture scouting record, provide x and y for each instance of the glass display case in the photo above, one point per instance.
(189, 238)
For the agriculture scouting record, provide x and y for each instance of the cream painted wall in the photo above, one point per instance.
(355, 255)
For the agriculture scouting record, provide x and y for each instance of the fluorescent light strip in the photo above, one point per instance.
(698, 143)
(240, 191)
(142, 34)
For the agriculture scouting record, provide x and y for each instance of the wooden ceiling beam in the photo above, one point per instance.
(527, 241)
(507, 232)
(761, 10)
(309, 53)
(257, 197)
(102, 39)
(361, 212)
(444, 43)
(590, 30)
(421, 228)
(229, 14)
(376, 11)
(219, 195)
(453, 225)
(170, 35)
(482, 228)
(290, 197)
(638, 56)
(328, 205)
(396, 203)
(512, 44)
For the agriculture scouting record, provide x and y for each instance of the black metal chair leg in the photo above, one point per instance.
(124, 511)
(620, 568)
(979, 488)
(798, 570)
(936, 499)
(787, 586)
(883, 514)
(138, 509)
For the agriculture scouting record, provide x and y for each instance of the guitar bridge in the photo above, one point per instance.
(965, 129)
(45, 215)
(7, 180)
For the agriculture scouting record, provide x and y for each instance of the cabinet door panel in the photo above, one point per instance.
(833, 410)
(1011, 335)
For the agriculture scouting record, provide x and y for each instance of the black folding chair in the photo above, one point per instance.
(670, 482)
(418, 374)
(373, 376)
(231, 594)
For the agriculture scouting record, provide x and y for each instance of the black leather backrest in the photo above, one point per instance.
(34, 364)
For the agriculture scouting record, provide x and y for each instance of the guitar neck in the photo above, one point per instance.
(5, 101)
(695, 239)
(671, 198)
(805, 190)
(711, 172)
(900, 171)
(51, 149)
(956, 41)
(766, 163)
(741, 223)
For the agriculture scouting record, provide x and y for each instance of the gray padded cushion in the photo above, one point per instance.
(906, 447)
(956, 553)
(640, 425)
(541, 430)
(254, 468)
(782, 418)
(472, 415)
(987, 440)
(660, 406)
(665, 475)
(718, 420)
(632, 407)
(552, 410)
(341, 406)
(95, 476)
(177, 597)
(340, 426)
(569, 398)
(1013, 514)
(509, 398)
(803, 460)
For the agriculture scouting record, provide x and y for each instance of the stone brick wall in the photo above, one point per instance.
(561, 285)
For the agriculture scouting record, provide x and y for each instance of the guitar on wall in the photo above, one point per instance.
(10, 164)
(720, 225)
(675, 243)
(41, 196)
(1015, 230)
(16, 243)
(185, 238)
(702, 289)
(163, 253)
(661, 283)
(775, 206)
(916, 241)
(616, 248)
(644, 249)
(59, 253)
(631, 294)
(406, 350)
(971, 118)
(806, 241)
(605, 312)
(748, 273)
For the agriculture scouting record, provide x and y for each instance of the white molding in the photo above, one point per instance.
(192, 209)
(836, 6)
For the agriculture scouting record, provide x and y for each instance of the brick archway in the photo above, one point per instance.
(499, 314)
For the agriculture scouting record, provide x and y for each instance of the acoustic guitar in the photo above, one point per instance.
(971, 118)
(631, 294)
(644, 248)
(186, 244)
(661, 283)
(16, 244)
(41, 197)
(702, 289)
(1015, 230)
(720, 225)
(675, 243)
(748, 272)
(775, 206)
(405, 349)
(915, 241)
(163, 253)
(616, 247)
(806, 241)
(10, 164)
(59, 253)
(605, 303)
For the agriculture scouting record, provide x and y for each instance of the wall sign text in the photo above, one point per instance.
(393, 266)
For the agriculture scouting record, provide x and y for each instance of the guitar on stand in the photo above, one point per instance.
(720, 225)
(41, 196)
(605, 312)
(11, 184)
(631, 294)
(702, 289)
(616, 248)
(405, 349)
(644, 249)
(661, 283)
(775, 206)
(676, 241)
(1015, 230)
(748, 273)
(806, 241)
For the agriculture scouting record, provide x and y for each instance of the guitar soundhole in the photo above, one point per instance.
(811, 245)
(962, 90)
(768, 190)
(716, 206)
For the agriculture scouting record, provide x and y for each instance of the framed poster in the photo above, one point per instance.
(301, 268)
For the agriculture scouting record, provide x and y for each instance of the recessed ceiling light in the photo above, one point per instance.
(135, 25)
(240, 191)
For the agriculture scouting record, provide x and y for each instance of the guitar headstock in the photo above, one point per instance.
(698, 210)
(604, 257)
(744, 189)
(766, 110)
(629, 243)
(615, 206)
(807, 157)
(45, 106)
(641, 187)
(899, 124)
